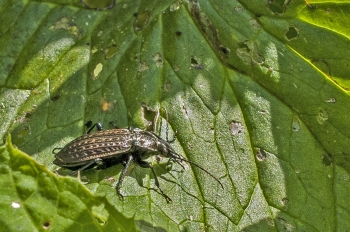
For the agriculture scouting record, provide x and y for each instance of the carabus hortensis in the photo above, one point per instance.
(123, 145)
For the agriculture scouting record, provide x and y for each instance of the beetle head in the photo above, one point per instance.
(165, 149)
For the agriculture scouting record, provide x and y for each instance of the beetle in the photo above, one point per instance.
(124, 146)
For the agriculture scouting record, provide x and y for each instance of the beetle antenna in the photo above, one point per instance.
(200, 167)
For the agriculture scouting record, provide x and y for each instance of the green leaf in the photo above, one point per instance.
(34, 199)
(258, 92)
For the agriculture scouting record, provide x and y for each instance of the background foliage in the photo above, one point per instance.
(257, 90)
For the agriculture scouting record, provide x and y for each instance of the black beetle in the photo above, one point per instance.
(125, 145)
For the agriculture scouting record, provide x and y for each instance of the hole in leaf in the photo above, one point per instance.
(331, 100)
(248, 51)
(196, 63)
(261, 155)
(55, 98)
(141, 20)
(236, 127)
(28, 115)
(157, 58)
(143, 66)
(149, 115)
(292, 33)
(175, 6)
(178, 33)
(285, 201)
(322, 116)
(111, 51)
(327, 160)
(15, 205)
(97, 70)
(46, 225)
(244, 46)
(277, 6)
(224, 50)
(296, 124)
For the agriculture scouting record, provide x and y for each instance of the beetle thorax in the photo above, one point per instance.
(150, 143)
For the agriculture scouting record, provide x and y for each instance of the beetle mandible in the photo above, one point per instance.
(124, 145)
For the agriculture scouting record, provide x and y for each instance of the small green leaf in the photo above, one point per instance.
(34, 199)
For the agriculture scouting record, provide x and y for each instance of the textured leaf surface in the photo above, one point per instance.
(257, 90)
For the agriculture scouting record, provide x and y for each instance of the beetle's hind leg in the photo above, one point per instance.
(145, 164)
(56, 148)
(123, 174)
(97, 161)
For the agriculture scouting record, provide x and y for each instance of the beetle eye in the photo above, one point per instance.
(162, 148)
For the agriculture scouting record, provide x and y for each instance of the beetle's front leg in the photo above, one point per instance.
(98, 125)
(123, 174)
(145, 164)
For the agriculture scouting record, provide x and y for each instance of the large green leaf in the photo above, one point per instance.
(257, 90)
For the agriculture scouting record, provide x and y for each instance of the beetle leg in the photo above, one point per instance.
(178, 162)
(95, 161)
(173, 160)
(145, 164)
(56, 148)
(100, 163)
(123, 174)
(114, 125)
(98, 125)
